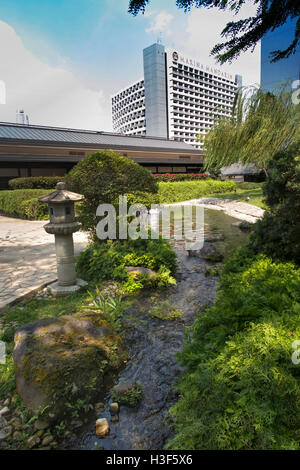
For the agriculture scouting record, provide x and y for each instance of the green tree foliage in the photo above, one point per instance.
(240, 388)
(243, 34)
(261, 125)
(278, 233)
(102, 177)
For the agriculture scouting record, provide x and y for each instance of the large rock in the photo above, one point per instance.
(209, 253)
(58, 360)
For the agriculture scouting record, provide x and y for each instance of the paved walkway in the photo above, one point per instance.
(238, 209)
(27, 257)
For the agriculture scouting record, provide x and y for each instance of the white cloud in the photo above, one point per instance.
(49, 95)
(203, 30)
(160, 23)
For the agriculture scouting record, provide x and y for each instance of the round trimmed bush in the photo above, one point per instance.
(102, 177)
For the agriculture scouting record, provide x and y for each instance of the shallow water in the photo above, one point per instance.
(153, 345)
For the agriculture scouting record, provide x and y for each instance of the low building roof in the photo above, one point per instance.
(11, 133)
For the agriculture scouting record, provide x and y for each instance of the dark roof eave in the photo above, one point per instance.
(95, 145)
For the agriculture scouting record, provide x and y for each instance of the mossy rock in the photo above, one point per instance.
(128, 393)
(59, 360)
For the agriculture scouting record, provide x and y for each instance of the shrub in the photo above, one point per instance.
(140, 197)
(186, 190)
(169, 177)
(278, 233)
(24, 203)
(240, 389)
(102, 177)
(35, 182)
(107, 261)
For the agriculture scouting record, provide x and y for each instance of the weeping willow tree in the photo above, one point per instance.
(261, 125)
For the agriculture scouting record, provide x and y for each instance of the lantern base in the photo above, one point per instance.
(60, 291)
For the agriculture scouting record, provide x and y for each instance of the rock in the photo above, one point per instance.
(124, 387)
(7, 402)
(16, 423)
(5, 433)
(47, 440)
(208, 252)
(54, 354)
(77, 424)
(3, 422)
(99, 406)
(140, 271)
(114, 408)
(33, 441)
(102, 427)
(115, 419)
(40, 425)
(5, 411)
(39, 433)
(214, 238)
(17, 435)
(243, 225)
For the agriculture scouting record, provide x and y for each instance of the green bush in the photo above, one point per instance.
(102, 177)
(186, 190)
(107, 261)
(24, 203)
(240, 388)
(278, 233)
(169, 177)
(35, 182)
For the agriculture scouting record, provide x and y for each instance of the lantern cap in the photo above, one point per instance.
(61, 195)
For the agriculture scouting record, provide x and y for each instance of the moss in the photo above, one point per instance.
(165, 311)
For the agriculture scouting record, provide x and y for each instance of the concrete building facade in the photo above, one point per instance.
(182, 97)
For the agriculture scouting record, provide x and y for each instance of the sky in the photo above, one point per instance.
(61, 60)
(272, 74)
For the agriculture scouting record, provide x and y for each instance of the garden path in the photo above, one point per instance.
(27, 258)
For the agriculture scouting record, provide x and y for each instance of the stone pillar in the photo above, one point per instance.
(65, 260)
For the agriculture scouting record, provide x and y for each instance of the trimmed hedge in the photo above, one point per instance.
(240, 388)
(186, 190)
(169, 177)
(24, 203)
(35, 182)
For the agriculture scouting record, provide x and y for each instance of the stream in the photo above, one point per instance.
(153, 344)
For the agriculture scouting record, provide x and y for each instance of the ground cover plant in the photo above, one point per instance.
(102, 261)
(240, 388)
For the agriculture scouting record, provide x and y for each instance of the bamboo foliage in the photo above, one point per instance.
(261, 125)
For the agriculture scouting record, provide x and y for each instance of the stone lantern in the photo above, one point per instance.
(62, 225)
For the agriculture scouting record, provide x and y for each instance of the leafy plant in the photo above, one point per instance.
(165, 311)
(131, 396)
(111, 306)
(240, 388)
(277, 234)
(107, 261)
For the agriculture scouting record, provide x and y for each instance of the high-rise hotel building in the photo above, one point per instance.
(178, 98)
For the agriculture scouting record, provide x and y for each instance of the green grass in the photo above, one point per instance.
(186, 190)
(244, 190)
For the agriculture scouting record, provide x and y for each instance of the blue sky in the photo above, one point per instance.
(64, 58)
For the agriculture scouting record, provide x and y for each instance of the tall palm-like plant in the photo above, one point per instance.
(261, 125)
